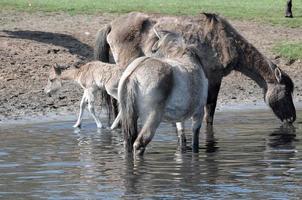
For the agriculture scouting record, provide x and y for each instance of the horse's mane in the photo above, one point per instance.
(223, 37)
(174, 42)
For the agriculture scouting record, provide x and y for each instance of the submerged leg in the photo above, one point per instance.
(92, 110)
(116, 122)
(196, 125)
(182, 141)
(82, 108)
(151, 123)
(211, 102)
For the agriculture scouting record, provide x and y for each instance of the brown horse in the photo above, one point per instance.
(220, 48)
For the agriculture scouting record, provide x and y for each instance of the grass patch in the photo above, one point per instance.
(291, 51)
(270, 11)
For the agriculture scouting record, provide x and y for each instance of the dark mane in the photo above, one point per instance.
(223, 38)
(286, 80)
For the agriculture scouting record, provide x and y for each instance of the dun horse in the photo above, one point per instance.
(221, 49)
(92, 77)
(171, 86)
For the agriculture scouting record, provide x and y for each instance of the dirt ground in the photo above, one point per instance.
(31, 43)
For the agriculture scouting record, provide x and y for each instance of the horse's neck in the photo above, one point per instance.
(254, 65)
(69, 74)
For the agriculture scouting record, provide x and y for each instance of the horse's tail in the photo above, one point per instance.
(128, 110)
(127, 90)
(101, 48)
(101, 52)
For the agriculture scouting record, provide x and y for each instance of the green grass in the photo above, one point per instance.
(291, 51)
(269, 11)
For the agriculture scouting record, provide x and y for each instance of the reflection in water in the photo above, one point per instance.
(211, 142)
(283, 137)
(281, 153)
(253, 159)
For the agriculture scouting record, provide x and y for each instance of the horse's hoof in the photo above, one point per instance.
(195, 149)
(140, 152)
(77, 126)
(184, 149)
(112, 127)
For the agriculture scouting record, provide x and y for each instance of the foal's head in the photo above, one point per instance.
(54, 82)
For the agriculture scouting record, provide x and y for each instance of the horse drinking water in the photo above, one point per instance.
(221, 50)
(171, 87)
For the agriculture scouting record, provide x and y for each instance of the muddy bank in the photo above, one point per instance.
(31, 43)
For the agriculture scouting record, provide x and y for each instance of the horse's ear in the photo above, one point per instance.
(154, 48)
(147, 24)
(278, 74)
(157, 33)
(57, 68)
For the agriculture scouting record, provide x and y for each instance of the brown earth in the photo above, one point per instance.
(31, 43)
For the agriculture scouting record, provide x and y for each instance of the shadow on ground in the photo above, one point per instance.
(67, 41)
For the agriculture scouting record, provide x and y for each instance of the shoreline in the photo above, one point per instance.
(72, 116)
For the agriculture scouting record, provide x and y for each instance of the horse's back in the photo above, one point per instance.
(152, 79)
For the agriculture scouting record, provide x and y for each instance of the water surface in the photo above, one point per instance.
(248, 155)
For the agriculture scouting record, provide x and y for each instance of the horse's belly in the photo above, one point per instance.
(179, 105)
(186, 98)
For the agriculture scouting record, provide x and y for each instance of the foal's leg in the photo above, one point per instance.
(116, 122)
(82, 107)
(91, 95)
(151, 122)
(196, 125)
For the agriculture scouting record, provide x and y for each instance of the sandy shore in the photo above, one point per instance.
(31, 43)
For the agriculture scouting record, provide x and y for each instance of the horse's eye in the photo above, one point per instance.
(51, 80)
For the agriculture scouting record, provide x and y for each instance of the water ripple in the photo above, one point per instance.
(253, 159)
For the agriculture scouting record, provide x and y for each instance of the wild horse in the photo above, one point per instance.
(171, 86)
(221, 49)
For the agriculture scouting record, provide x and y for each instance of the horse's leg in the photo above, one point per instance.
(114, 107)
(82, 108)
(196, 125)
(211, 102)
(182, 141)
(151, 122)
(111, 89)
(116, 122)
(91, 95)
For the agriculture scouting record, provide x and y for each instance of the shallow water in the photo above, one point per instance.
(247, 156)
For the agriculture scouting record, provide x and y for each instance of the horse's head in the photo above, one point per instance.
(279, 96)
(128, 36)
(169, 44)
(54, 82)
